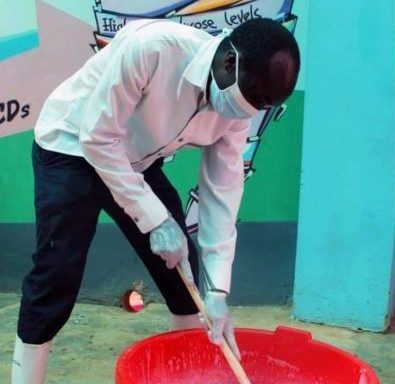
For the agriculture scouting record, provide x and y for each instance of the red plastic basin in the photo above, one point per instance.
(286, 356)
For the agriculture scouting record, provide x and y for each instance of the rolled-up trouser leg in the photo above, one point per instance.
(66, 218)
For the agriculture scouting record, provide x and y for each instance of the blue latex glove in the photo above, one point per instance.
(170, 243)
(221, 323)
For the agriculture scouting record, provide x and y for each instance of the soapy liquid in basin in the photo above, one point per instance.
(275, 371)
(197, 379)
(226, 378)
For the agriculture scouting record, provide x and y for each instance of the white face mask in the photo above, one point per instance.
(230, 102)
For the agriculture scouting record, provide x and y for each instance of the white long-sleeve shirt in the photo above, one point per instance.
(143, 97)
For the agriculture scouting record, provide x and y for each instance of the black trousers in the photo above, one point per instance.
(69, 196)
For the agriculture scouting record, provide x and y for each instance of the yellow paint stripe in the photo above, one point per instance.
(205, 5)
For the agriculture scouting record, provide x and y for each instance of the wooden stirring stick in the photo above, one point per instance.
(230, 357)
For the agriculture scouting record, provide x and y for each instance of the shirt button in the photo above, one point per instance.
(136, 219)
(159, 154)
(180, 140)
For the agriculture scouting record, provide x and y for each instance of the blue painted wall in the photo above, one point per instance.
(346, 220)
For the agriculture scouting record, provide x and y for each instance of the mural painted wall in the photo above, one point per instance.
(70, 32)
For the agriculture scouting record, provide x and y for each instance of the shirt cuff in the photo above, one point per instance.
(148, 212)
(220, 273)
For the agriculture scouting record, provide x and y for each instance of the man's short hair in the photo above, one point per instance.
(260, 39)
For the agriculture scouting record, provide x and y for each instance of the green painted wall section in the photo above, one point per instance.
(16, 179)
(272, 193)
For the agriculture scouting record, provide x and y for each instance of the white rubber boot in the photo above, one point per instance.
(29, 364)
(178, 322)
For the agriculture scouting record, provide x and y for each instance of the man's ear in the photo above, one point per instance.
(230, 61)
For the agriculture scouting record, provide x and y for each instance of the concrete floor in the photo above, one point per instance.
(86, 349)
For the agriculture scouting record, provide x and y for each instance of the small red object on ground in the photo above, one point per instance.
(132, 301)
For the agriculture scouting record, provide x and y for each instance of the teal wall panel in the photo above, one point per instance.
(346, 221)
(13, 45)
(18, 27)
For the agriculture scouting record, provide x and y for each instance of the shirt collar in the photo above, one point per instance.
(198, 69)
